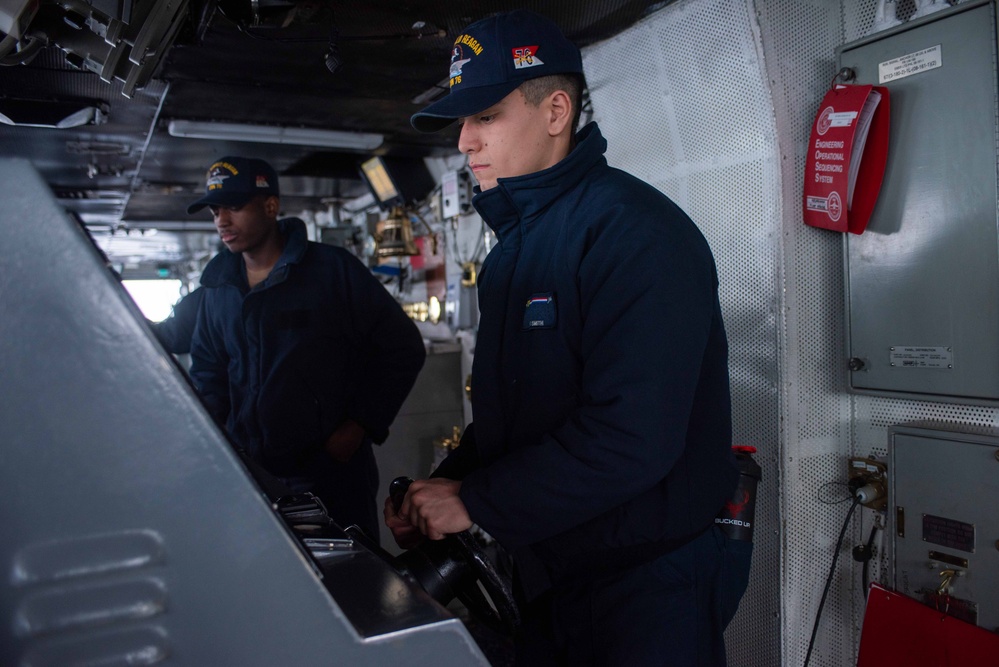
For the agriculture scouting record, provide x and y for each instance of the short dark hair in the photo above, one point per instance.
(537, 89)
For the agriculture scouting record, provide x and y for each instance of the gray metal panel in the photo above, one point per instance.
(131, 533)
(926, 271)
(967, 494)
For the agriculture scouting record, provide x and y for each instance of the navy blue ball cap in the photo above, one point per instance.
(492, 57)
(234, 180)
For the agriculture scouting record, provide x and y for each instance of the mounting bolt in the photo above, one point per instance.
(845, 74)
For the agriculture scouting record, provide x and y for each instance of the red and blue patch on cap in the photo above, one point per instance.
(526, 56)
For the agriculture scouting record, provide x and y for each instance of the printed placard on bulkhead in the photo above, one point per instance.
(847, 153)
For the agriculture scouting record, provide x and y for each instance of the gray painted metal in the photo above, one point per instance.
(131, 533)
(939, 509)
(926, 271)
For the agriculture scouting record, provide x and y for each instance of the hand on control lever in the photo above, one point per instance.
(434, 507)
(430, 505)
(406, 534)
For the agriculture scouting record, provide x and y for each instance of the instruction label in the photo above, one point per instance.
(949, 533)
(909, 356)
(909, 64)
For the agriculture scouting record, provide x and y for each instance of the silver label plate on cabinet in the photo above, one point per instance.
(916, 356)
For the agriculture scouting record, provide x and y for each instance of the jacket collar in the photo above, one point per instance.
(522, 198)
(227, 267)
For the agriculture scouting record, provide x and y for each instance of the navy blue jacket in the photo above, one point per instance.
(600, 391)
(284, 364)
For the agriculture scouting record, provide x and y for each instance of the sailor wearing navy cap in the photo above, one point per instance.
(601, 448)
(233, 181)
(298, 351)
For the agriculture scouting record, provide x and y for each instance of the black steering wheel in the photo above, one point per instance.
(454, 567)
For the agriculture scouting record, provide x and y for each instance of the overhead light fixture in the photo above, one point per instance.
(274, 134)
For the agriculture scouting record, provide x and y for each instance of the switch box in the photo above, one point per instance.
(943, 518)
(456, 194)
(923, 279)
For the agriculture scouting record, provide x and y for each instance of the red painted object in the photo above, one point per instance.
(737, 517)
(845, 114)
(901, 632)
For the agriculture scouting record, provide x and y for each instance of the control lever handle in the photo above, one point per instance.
(397, 491)
(455, 567)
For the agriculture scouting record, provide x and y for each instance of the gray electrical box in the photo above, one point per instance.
(944, 494)
(922, 281)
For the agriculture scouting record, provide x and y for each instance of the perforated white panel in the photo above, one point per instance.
(683, 101)
(712, 102)
(824, 424)
(799, 41)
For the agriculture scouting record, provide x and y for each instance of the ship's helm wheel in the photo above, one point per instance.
(456, 567)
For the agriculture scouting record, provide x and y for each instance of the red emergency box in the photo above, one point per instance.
(846, 159)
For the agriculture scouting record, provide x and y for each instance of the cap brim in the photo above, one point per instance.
(459, 104)
(220, 199)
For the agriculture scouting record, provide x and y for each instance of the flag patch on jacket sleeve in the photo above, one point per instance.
(540, 312)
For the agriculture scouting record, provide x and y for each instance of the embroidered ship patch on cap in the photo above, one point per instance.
(526, 56)
(217, 174)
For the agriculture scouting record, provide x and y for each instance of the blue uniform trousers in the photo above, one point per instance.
(671, 611)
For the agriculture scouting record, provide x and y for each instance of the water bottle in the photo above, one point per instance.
(737, 516)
